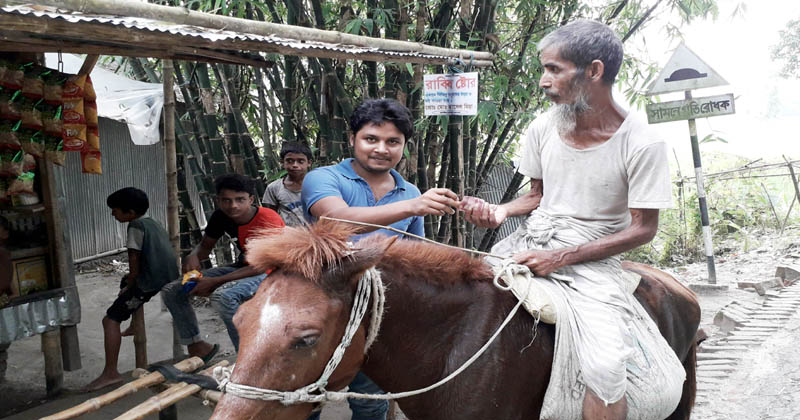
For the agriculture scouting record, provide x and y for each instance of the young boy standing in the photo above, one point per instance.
(152, 264)
(283, 194)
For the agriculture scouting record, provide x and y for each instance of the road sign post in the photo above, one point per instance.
(701, 198)
(683, 72)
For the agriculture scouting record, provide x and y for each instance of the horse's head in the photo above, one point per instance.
(292, 325)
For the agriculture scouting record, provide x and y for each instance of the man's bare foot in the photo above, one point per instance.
(128, 331)
(103, 381)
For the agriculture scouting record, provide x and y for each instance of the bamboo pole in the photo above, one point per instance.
(173, 221)
(139, 338)
(167, 398)
(148, 380)
(181, 15)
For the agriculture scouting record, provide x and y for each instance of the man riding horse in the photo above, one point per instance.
(598, 180)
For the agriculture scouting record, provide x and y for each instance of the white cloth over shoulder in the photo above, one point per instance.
(604, 338)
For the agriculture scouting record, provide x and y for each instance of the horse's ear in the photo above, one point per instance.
(351, 267)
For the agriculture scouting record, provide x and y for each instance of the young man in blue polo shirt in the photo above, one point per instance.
(366, 188)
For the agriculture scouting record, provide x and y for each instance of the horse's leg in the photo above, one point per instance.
(684, 409)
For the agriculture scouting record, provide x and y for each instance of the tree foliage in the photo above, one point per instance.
(237, 117)
(787, 50)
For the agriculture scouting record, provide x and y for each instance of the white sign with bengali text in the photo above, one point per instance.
(451, 94)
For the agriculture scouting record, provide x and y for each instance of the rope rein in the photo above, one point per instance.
(369, 285)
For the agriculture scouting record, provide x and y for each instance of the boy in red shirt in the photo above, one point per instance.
(229, 286)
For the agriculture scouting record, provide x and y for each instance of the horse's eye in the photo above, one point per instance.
(305, 342)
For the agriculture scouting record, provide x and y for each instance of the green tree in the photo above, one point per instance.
(787, 50)
(236, 117)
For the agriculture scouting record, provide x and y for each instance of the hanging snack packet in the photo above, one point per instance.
(74, 87)
(4, 197)
(10, 105)
(91, 163)
(22, 184)
(90, 108)
(31, 113)
(33, 83)
(54, 87)
(74, 136)
(92, 138)
(51, 120)
(72, 111)
(88, 91)
(54, 150)
(28, 163)
(11, 162)
(14, 75)
(33, 143)
(10, 134)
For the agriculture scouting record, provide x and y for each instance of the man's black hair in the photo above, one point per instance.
(129, 199)
(234, 182)
(295, 147)
(379, 111)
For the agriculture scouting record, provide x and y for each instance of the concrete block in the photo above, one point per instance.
(788, 273)
(707, 288)
(761, 287)
(731, 316)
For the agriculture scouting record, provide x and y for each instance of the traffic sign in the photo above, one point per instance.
(685, 71)
(687, 109)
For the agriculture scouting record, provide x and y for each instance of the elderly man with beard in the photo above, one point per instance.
(598, 179)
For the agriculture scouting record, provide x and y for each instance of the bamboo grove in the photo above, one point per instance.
(234, 118)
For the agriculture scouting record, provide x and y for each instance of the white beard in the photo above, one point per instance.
(566, 115)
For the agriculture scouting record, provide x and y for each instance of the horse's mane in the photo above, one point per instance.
(308, 250)
(434, 263)
(304, 250)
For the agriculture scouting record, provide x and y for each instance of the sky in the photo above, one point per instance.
(767, 120)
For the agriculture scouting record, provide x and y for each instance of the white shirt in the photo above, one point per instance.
(602, 183)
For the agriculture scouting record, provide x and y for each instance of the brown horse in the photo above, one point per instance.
(441, 307)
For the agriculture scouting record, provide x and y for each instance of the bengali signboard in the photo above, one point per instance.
(687, 109)
(451, 94)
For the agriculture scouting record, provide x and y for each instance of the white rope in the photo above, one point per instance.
(371, 280)
(304, 395)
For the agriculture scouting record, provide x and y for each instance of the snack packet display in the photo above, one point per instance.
(13, 75)
(32, 143)
(10, 134)
(74, 87)
(33, 83)
(92, 138)
(72, 111)
(31, 114)
(11, 162)
(88, 91)
(10, 105)
(54, 150)
(74, 136)
(22, 184)
(51, 120)
(91, 162)
(54, 87)
(90, 110)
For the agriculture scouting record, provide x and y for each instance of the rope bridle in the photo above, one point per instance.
(316, 392)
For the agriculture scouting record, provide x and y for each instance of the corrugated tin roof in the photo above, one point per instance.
(64, 27)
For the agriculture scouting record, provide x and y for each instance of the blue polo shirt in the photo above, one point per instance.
(342, 181)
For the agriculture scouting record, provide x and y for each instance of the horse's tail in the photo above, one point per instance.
(684, 409)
